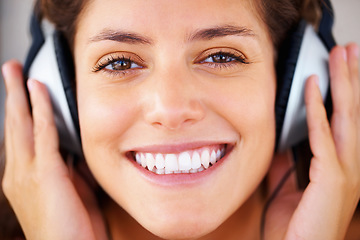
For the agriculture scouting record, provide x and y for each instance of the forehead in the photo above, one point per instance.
(168, 17)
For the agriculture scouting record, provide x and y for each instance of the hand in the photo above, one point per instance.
(39, 186)
(325, 209)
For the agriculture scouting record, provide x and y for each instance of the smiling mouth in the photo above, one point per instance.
(190, 161)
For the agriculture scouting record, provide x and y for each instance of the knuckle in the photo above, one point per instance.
(342, 181)
(355, 182)
(9, 185)
(324, 127)
(321, 126)
(348, 183)
(15, 185)
(41, 125)
(353, 115)
(6, 186)
(348, 114)
(351, 112)
(15, 118)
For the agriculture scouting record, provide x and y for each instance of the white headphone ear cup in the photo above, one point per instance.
(52, 65)
(312, 59)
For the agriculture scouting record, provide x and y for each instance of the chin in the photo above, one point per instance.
(192, 228)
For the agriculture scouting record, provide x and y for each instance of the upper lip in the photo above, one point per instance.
(176, 148)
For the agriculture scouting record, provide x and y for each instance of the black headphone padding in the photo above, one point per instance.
(67, 73)
(287, 59)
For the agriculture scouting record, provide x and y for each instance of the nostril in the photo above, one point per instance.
(173, 119)
(172, 107)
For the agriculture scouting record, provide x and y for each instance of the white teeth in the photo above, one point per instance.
(168, 172)
(138, 158)
(171, 163)
(150, 161)
(160, 161)
(160, 171)
(205, 158)
(218, 154)
(186, 162)
(143, 160)
(213, 157)
(196, 161)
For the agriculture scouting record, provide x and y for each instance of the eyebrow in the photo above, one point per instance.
(121, 36)
(221, 31)
(198, 35)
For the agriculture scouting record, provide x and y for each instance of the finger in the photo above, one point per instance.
(353, 65)
(45, 133)
(353, 62)
(321, 142)
(18, 122)
(322, 196)
(353, 59)
(344, 118)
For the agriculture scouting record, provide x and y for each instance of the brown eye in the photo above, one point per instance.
(221, 58)
(120, 65)
(116, 63)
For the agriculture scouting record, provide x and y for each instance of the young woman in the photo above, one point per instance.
(176, 110)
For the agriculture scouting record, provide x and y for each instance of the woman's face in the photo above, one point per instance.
(185, 87)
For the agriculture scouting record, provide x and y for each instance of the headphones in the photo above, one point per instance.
(50, 61)
(305, 52)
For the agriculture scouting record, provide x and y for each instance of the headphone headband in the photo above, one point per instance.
(326, 24)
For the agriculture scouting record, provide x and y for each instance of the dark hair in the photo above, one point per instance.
(279, 15)
(63, 13)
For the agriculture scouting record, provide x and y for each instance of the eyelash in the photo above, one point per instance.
(104, 63)
(235, 59)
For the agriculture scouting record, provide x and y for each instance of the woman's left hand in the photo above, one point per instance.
(325, 209)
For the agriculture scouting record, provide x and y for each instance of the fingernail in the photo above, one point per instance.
(30, 84)
(344, 53)
(356, 51)
(316, 80)
(5, 71)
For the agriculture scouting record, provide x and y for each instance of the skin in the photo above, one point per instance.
(175, 99)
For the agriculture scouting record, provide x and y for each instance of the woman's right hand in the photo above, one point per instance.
(324, 210)
(47, 197)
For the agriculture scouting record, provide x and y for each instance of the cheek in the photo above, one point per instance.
(250, 111)
(104, 117)
(248, 105)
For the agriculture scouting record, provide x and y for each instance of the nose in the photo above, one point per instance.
(173, 102)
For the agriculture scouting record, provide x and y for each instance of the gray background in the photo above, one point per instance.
(14, 33)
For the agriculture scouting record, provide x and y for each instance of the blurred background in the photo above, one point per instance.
(14, 31)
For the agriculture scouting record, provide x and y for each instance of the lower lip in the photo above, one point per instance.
(180, 179)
